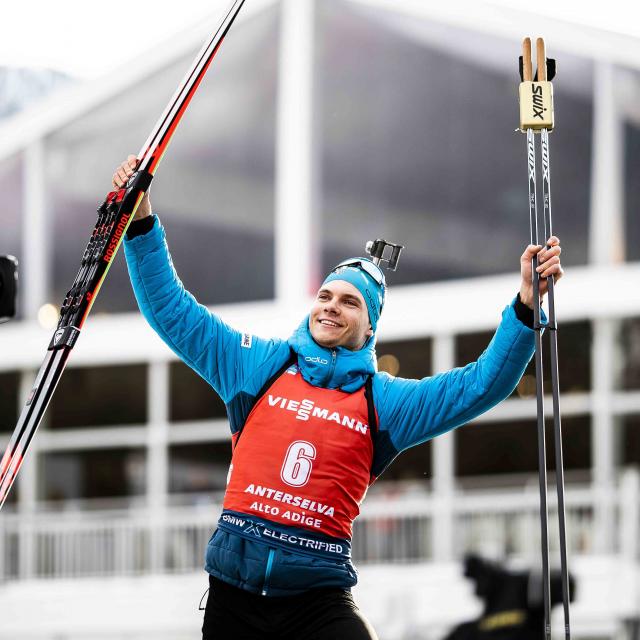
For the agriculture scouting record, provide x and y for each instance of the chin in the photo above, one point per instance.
(325, 341)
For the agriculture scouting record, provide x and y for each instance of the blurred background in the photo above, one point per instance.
(322, 124)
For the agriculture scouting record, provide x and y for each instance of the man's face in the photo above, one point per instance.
(339, 317)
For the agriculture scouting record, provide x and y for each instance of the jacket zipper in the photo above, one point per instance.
(267, 573)
(333, 363)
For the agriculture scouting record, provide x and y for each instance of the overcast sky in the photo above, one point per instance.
(89, 38)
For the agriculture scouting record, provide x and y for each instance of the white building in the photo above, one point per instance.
(319, 126)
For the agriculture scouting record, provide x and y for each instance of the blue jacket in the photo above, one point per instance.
(409, 411)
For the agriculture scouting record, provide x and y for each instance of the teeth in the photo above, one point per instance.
(329, 323)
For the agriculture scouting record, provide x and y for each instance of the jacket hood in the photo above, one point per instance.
(337, 368)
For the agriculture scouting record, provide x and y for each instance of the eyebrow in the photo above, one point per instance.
(347, 296)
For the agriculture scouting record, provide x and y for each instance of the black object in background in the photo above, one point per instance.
(513, 603)
(8, 287)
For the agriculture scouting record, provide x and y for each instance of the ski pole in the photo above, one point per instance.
(527, 77)
(536, 115)
(553, 351)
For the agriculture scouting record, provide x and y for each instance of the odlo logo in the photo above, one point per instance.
(317, 359)
(372, 306)
(538, 102)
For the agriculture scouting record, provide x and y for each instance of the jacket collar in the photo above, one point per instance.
(337, 368)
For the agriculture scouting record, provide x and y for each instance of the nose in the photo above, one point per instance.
(330, 306)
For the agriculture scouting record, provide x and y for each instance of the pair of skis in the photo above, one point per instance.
(536, 115)
(114, 217)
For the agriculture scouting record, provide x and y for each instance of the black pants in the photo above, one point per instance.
(319, 614)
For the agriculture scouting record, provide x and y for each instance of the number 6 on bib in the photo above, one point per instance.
(297, 465)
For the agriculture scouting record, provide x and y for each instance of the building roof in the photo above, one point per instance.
(475, 16)
(67, 105)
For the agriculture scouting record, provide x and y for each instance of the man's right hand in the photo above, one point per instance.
(120, 178)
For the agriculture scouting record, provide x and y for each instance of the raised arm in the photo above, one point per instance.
(223, 356)
(412, 411)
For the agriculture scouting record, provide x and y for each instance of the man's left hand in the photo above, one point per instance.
(549, 265)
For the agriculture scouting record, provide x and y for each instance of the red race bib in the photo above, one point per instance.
(304, 457)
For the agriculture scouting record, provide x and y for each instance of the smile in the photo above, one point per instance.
(328, 323)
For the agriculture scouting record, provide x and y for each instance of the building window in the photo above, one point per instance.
(405, 358)
(632, 188)
(574, 358)
(629, 431)
(469, 347)
(191, 398)
(412, 464)
(101, 473)
(498, 448)
(630, 354)
(199, 468)
(100, 396)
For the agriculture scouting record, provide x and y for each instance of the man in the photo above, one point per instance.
(313, 425)
(513, 608)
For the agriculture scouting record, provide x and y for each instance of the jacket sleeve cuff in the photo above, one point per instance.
(523, 313)
(141, 227)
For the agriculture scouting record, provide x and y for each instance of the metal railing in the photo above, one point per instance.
(122, 542)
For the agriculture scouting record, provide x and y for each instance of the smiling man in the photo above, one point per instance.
(348, 306)
(336, 318)
(313, 424)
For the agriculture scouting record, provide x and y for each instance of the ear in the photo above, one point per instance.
(369, 332)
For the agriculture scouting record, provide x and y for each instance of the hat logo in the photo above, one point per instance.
(372, 305)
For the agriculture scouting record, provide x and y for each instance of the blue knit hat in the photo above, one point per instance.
(368, 279)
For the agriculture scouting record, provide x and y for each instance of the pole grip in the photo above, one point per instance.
(527, 67)
(541, 57)
(536, 95)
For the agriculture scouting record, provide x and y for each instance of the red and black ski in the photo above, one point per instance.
(114, 216)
